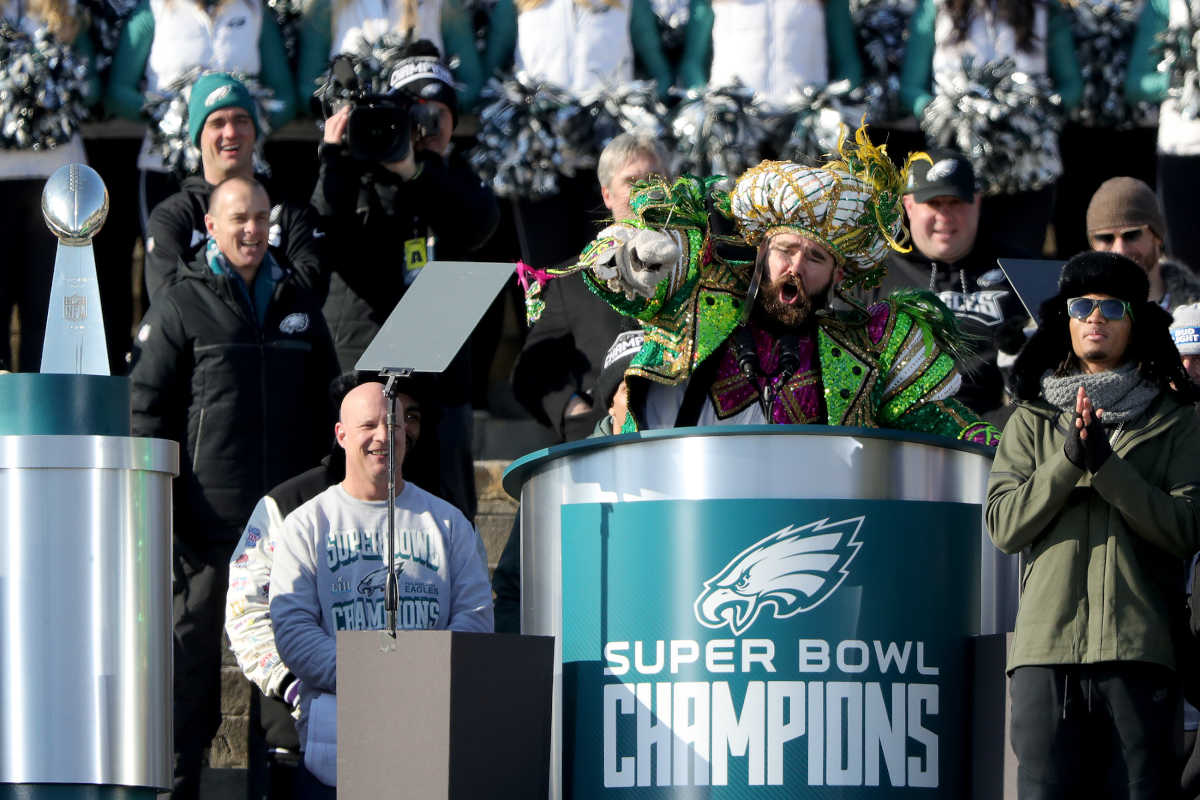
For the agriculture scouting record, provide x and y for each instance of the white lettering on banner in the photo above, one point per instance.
(856, 733)
(618, 773)
(848, 726)
(717, 654)
(654, 735)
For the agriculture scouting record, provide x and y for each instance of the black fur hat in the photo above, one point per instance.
(1150, 345)
(1104, 273)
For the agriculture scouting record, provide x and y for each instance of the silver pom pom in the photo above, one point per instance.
(42, 90)
(1007, 122)
(720, 131)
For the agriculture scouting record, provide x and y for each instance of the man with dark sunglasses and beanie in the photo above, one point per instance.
(1095, 481)
(1124, 217)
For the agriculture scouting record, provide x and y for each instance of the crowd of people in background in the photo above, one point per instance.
(760, 78)
(267, 266)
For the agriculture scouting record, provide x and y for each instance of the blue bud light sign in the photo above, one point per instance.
(767, 648)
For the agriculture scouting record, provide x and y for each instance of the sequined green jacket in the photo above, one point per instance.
(891, 367)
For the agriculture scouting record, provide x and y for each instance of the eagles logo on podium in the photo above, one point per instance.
(793, 570)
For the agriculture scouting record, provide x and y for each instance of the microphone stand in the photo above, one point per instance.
(391, 602)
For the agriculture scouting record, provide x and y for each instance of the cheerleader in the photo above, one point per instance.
(771, 46)
(583, 46)
(1177, 91)
(332, 27)
(1036, 36)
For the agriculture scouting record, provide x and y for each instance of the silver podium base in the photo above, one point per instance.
(85, 610)
(825, 465)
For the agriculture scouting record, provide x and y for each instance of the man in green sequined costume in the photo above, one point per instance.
(751, 339)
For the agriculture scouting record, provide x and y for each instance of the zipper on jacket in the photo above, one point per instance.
(274, 303)
(199, 437)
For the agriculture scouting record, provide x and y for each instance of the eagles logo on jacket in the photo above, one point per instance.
(247, 403)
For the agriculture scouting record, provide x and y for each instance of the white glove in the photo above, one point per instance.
(632, 261)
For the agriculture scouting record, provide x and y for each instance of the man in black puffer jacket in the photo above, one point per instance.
(381, 218)
(232, 361)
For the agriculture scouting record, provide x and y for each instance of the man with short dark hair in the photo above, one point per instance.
(949, 258)
(1095, 482)
(232, 361)
(223, 123)
(1124, 217)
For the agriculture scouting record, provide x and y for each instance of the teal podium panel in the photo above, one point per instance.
(795, 648)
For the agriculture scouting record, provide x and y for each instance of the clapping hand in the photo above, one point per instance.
(1087, 445)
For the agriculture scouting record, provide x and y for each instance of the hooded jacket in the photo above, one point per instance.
(1105, 552)
(176, 231)
(247, 403)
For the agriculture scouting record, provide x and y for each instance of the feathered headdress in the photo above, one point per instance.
(850, 205)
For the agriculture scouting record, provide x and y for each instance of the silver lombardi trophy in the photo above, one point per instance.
(74, 204)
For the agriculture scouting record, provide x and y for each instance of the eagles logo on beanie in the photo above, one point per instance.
(213, 92)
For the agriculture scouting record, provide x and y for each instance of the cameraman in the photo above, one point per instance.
(390, 193)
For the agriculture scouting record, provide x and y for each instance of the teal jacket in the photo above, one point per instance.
(1143, 81)
(1106, 552)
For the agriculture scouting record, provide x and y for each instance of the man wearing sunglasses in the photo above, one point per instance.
(1095, 482)
(1123, 217)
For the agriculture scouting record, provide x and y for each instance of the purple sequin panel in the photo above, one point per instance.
(877, 324)
(799, 402)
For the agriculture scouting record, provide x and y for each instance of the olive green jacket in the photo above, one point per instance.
(1105, 553)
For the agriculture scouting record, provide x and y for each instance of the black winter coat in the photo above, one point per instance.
(248, 405)
(984, 304)
(564, 353)
(176, 231)
(367, 214)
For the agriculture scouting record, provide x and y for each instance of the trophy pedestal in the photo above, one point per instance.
(85, 593)
(33, 404)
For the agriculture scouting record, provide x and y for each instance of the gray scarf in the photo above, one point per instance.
(1121, 392)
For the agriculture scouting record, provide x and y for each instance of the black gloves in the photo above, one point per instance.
(1087, 453)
